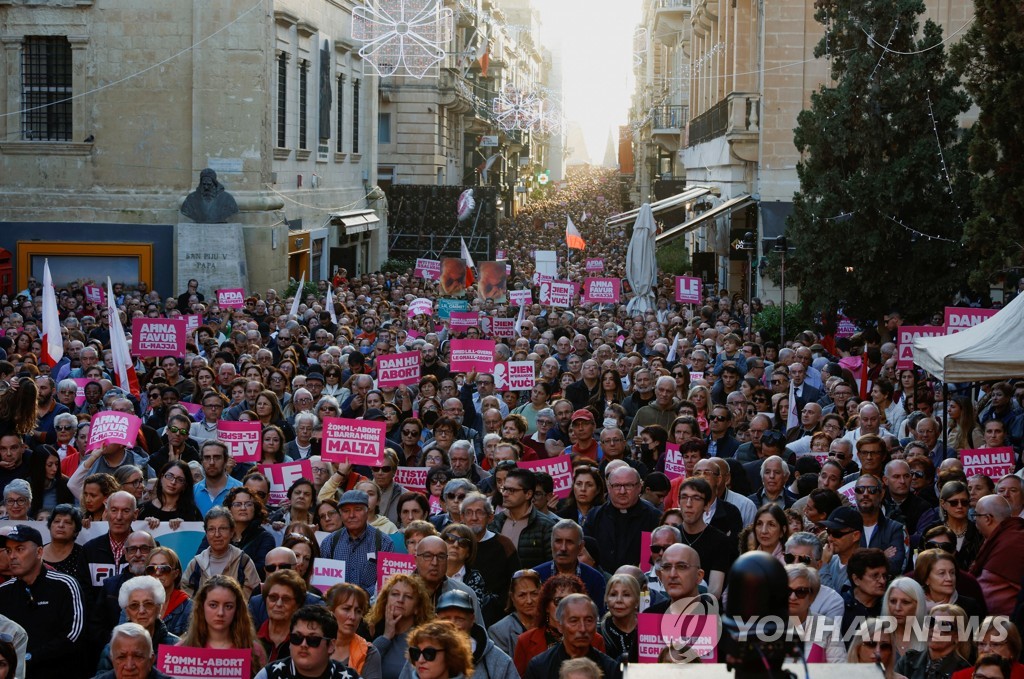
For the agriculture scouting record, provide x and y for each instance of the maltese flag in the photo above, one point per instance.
(330, 304)
(294, 312)
(53, 343)
(123, 368)
(573, 237)
(470, 264)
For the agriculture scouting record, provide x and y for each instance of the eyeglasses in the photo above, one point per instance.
(619, 487)
(794, 558)
(16, 501)
(280, 599)
(171, 477)
(328, 514)
(510, 489)
(687, 499)
(870, 490)
(158, 569)
(271, 567)
(429, 653)
(64, 427)
(213, 405)
(800, 592)
(137, 606)
(882, 645)
(443, 556)
(243, 504)
(958, 502)
(138, 549)
(313, 641)
(457, 540)
(759, 399)
(154, 395)
(177, 430)
(386, 469)
(410, 432)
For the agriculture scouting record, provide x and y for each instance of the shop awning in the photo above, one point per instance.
(730, 205)
(356, 221)
(689, 195)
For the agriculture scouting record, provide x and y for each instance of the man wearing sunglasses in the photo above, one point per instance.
(805, 548)
(720, 442)
(880, 531)
(311, 645)
(845, 527)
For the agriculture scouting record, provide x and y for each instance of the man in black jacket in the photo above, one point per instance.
(617, 524)
(577, 618)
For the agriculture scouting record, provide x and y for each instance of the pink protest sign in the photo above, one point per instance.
(421, 305)
(355, 441)
(503, 327)
(242, 438)
(390, 563)
(906, 336)
(845, 327)
(959, 319)
(560, 469)
(541, 278)
(645, 549)
(397, 369)
(499, 254)
(464, 320)
(80, 393)
(327, 573)
(193, 408)
(992, 462)
(158, 336)
(688, 635)
(192, 322)
(185, 662)
(602, 290)
(472, 355)
(112, 428)
(428, 269)
(673, 461)
(514, 376)
(283, 475)
(94, 294)
(594, 264)
(688, 289)
(696, 375)
(231, 298)
(562, 293)
(413, 478)
(520, 297)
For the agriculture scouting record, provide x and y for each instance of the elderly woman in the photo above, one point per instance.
(141, 599)
(284, 593)
(66, 425)
(618, 628)
(804, 586)
(62, 553)
(250, 536)
(461, 555)
(944, 654)
(998, 635)
(221, 557)
(163, 564)
(522, 608)
(936, 572)
(349, 603)
(904, 603)
(17, 500)
(873, 644)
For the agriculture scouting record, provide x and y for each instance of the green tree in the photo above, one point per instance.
(870, 159)
(990, 59)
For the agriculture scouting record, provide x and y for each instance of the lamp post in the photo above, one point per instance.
(781, 246)
(750, 245)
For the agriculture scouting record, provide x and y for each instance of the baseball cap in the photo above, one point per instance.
(25, 534)
(582, 414)
(354, 497)
(843, 518)
(455, 599)
(315, 376)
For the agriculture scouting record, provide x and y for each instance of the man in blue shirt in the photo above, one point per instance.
(212, 490)
(356, 542)
(566, 544)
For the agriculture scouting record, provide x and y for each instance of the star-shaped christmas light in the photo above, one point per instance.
(516, 109)
(403, 37)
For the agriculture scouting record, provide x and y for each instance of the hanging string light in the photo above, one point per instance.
(942, 156)
(919, 234)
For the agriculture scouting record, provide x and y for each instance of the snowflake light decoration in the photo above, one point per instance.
(516, 109)
(639, 45)
(404, 37)
(551, 122)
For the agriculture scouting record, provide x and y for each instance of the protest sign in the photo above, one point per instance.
(461, 321)
(992, 462)
(112, 428)
(560, 469)
(94, 294)
(541, 278)
(499, 254)
(688, 635)
(231, 298)
(673, 461)
(849, 491)
(158, 336)
(421, 305)
(397, 369)
(845, 327)
(413, 478)
(602, 290)
(906, 336)
(327, 573)
(355, 441)
(562, 293)
(282, 475)
(193, 408)
(520, 297)
(514, 376)
(493, 282)
(453, 276)
(390, 563)
(185, 662)
(80, 393)
(503, 327)
(594, 264)
(446, 306)
(696, 375)
(688, 289)
(192, 323)
(959, 319)
(242, 438)
(472, 355)
(428, 269)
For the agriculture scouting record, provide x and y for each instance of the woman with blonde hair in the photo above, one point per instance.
(873, 644)
(618, 628)
(220, 619)
(946, 652)
(402, 604)
(349, 604)
(439, 650)
(904, 601)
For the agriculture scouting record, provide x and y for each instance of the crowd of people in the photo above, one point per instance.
(684, 458)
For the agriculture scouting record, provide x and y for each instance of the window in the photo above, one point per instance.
(341, 114)
(384, 128)
(355, 115)
(303, 79)
(282, 99)
(46, 89)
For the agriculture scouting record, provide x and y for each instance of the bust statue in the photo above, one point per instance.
(209, 203)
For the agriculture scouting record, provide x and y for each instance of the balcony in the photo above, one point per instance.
(737, 118)
(456, 93)
(667, 125)
(670, 17)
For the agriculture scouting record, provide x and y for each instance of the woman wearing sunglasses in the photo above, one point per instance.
(904, 602)
(438, 650)
(804, 586)
(954, 505)
(163, 564)
(873, 644)
(461, 555)
(173, 499)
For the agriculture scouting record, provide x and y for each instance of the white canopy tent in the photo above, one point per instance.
(991, 350)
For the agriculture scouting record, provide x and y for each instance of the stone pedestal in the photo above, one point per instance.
(213, 254)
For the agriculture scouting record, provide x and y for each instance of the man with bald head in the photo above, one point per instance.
(870, 419)
(279, 558)
(680, 574)
(432, 569)
(618, 523)
(998, 566)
